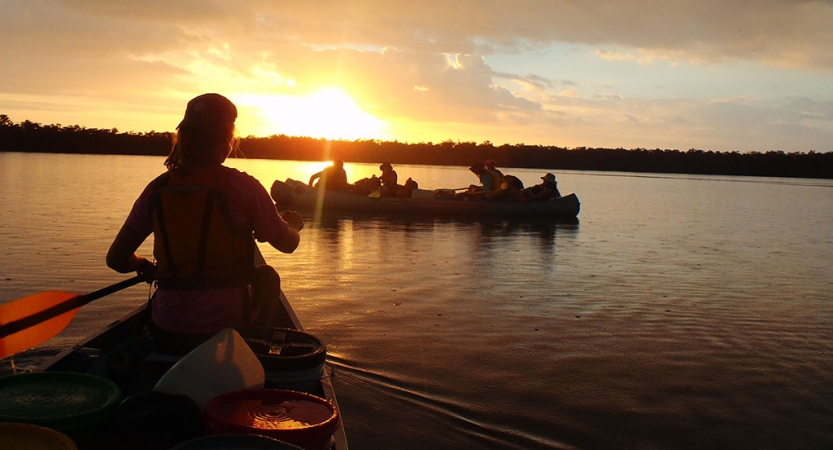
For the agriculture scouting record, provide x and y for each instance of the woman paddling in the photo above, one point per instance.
(205, 218)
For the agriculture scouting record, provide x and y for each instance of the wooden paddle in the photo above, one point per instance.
(32, 320)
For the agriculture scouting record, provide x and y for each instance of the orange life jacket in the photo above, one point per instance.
(194, 241)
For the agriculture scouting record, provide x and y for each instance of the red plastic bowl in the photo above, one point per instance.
(295, 417)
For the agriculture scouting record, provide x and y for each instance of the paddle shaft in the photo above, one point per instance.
(455, 189)
(64, 307)
(78, 301)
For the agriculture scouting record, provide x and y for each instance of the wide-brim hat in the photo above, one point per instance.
(386, 166)
(209, 110)
(549, 177)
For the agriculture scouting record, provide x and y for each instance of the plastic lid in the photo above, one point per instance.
(24, 436)
(285, 349)
(291, 416)
(223, 363)
(235, 442)
(60, 400)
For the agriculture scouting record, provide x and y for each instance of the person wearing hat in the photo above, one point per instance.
(205, 218)
(389, 180)
(546, 190)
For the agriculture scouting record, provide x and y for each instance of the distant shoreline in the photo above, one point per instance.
(36, 138)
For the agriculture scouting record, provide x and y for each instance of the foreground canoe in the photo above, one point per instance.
(116, 353)
(294, 194)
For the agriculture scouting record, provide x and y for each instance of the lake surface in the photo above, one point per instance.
(681, 312)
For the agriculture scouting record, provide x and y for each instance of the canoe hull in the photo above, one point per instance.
(296, 195)
(110, 349)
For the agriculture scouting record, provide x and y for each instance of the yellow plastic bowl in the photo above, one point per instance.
(23, 436)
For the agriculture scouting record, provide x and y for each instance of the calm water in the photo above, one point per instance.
(682, 312)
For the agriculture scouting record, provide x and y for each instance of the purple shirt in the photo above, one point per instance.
(199, 311)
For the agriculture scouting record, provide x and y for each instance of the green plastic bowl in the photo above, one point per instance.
(64, 401)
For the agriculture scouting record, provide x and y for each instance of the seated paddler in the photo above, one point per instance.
(333, 178)
(205, 218)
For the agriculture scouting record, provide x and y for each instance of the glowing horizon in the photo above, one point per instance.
(328, 113)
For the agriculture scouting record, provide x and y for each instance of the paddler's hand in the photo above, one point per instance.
(293, 219)
(146, 270)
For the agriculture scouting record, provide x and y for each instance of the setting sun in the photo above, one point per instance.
(327, 113)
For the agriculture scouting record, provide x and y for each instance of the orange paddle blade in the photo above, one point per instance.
(31, 320)
(38, 333)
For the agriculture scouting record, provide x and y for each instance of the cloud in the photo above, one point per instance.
(786, 32)
(745, 123)
(420, 62)
(641, 57)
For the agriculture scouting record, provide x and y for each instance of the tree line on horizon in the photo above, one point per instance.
(34, 137)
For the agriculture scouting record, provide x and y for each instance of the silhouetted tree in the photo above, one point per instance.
(34, 137)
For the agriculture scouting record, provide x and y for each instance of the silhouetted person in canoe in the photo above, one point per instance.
(506, 187)
(496, 174)
(495, 185)
(205, 218)
(389, 180)
(488, 182)
(546, 190)
(475, 192)
(333, 178)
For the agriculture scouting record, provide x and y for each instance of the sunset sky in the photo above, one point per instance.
(723, 75)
